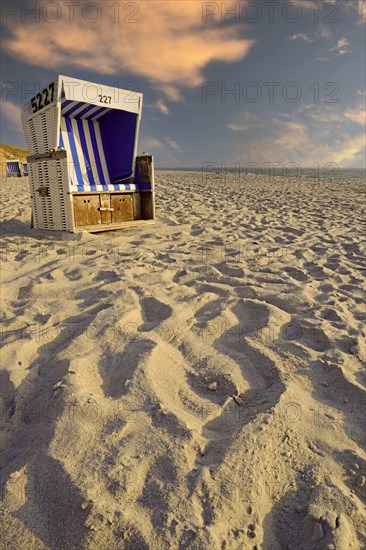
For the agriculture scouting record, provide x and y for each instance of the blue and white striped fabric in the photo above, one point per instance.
(82, 110)
(12, 167)
(25, 168)
(81, 137)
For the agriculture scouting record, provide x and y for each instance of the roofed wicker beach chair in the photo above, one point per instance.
(84, 172)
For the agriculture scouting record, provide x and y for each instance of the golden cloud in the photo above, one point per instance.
(289, 141)
(362, 10)
(350, 150)
(356, 115)
(168, 43)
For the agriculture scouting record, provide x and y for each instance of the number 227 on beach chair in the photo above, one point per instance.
(84, 173)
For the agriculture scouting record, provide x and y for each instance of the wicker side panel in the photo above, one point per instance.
(41, 203)
(62, 177)
(50, 202)
(40, 130)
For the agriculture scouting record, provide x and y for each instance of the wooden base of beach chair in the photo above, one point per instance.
(96, 212)
(113, 226)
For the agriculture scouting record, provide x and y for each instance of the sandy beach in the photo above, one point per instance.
(195, 384)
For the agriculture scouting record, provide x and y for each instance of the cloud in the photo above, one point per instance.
(356, 115)
(152, 144)
(168, 44)
(247, 122)
(155, 143)
(322, 33)
(341, 47)
(361, 6)
(166, 148)
(350, 149)
(325, 116)
(329, 114)
(353, 7)
(305, 142)
(173, 144)
(160, 106)
(159, 145)
(301, 36)
(12, 114)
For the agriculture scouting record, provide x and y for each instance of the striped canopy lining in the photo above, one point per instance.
(13, 167)
(81, 137)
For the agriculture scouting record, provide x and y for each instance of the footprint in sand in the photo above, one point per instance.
(297, 274)
(116, 369)
(196, 230)
(210, 311)
(154, 313)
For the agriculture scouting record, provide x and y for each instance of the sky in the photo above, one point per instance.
(243, 83)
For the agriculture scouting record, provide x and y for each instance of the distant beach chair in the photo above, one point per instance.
(25, 169)
(13, 168)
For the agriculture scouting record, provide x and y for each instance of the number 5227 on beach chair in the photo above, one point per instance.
(84, 172)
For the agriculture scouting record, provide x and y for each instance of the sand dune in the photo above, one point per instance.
(197, 384)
